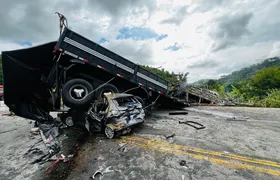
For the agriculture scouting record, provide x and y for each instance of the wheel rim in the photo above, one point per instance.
(106, 91)
(78, 92)
(109, 132)
(69, 121)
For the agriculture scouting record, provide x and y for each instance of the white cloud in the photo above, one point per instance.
(8, 46)
(275, 52)
(136, 51)
(215, 37)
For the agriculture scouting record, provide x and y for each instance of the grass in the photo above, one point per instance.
(271, 100)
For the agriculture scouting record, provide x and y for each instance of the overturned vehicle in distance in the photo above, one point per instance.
(77, 71)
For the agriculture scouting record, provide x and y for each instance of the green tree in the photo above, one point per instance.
(212, 84)
(171, 77)
(265, 80)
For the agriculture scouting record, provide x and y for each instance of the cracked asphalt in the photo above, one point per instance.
(237, 143)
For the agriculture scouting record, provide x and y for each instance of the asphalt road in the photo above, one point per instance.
(237, 143)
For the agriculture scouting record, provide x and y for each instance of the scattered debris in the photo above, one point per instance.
(225, 152)
(183, 163)
(107, 170)
(31, 136)
(190, 123)
(230, 119)
(96, 173)
(35, 131)
(201, 96)
(57, 160)
(234, 119)
(175, 118)
(123, 145)
(40, 140)
(102, 172)
(49, 134)
(178, 113)
(8, 114)
(169, 136)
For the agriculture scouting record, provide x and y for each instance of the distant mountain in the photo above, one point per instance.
(247, 72)
(242, 74)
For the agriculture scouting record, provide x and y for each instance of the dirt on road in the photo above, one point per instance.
(236, 143)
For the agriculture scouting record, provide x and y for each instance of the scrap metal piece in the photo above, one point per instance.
(96, 173)
(122, 146)
(169, 136)
(183, 163)
(178, 113)
(102, 172)
(57, 160)
(190, 123)
(235, 119)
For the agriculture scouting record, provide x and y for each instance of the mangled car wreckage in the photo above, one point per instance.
(113, 116)
(121, 111)
(78, 72)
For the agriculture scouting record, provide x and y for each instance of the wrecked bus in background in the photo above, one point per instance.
(78, 71)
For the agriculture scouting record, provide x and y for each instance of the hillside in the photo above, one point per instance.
(242, 74)
(247, 72)
(257, 85)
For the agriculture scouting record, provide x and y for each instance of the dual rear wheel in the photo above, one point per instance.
(79, 92)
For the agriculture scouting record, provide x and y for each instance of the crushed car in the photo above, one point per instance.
(113, 116)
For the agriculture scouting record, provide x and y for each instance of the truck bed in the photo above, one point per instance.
(79, 47)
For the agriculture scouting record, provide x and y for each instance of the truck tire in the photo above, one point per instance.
(106, 88)
(148, 110)
(75, 93)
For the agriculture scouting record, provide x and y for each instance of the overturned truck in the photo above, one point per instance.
(76, 72)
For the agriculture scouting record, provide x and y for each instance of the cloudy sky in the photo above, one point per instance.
(207, 38)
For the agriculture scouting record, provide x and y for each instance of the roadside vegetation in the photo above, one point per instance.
(171, 77)
(258, 85)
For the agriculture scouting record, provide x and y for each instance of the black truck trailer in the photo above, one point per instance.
(75, 70)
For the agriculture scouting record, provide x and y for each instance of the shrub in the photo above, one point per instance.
(271, 100)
